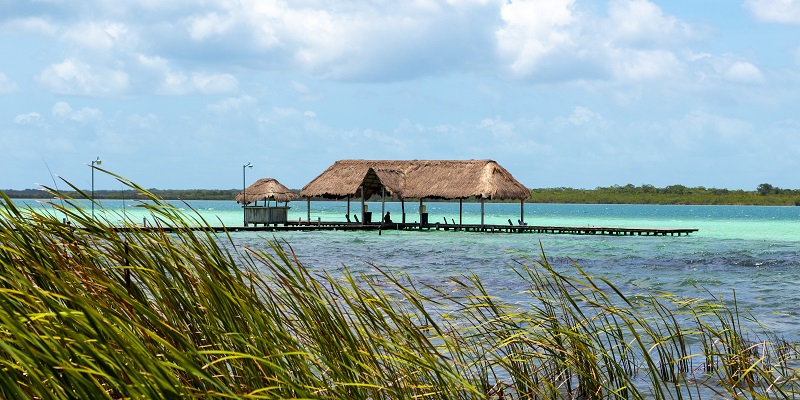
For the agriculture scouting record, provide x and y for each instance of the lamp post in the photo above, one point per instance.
(244, 190)
(94, 162)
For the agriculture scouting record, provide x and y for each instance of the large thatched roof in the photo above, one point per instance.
(443, 179)
(267, 189)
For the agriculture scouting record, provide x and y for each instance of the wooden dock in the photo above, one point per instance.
(351, 226)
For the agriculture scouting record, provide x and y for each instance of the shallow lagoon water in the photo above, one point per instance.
(751, 251)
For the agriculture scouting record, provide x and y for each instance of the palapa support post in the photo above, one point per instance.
(522, 212)
(308, 210)
(348, 207)
(383, 202)
(362, 204)
(460, 211)
(423, 215)
(482, 211)
(403, 208)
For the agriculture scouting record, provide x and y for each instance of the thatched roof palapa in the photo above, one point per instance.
(442, 179)
(266, 189)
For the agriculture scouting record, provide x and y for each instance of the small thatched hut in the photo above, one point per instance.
(418, 179)
(265, 189)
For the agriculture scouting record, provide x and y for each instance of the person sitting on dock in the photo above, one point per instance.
(387, 219)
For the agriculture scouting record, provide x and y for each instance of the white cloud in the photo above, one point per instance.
(35, 25)
(556, 40)
(29, 118)
(232, 104)
(64, 110)
(209, 25)
(640, 65)
(180, 83)
(744, 72)
(780, 11)
(95, 35)
(7, 85)
(533, 30)
(584, 116)
(350, 40)
(76, 77)
(214, 83)
(727, 67)
(61, 109)
(643, 23)
(287, 112)
(499, 129)
(546, 40)
(153, 62)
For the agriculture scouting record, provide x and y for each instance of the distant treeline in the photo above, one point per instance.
(765, 194)
(167, 194)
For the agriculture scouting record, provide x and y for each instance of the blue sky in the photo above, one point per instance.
(573, 93)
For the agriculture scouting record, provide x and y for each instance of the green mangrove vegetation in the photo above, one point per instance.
(91, 310)
(765, 195)
(128, 194)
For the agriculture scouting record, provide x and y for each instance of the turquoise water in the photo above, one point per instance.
(752, 251)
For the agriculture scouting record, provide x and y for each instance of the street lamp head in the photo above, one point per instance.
(97, 161)
(249, 165)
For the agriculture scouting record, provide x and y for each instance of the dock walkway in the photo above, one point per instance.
(354, 226)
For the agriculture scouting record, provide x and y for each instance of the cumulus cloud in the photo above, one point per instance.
(29, 118)
(209, 25)
(499, 129)
(641, 23)
(584, 116)
(232, 104)
(534, 30)
(61, 109)
(96, 35)
(213, 83)
(544, 40)
(64, 110)
(179, 82)
(557, 40)
(7, 85)
(73, 76)
(728, 68)
(35, 25)
(744, 72)
(637, 65)
(779, 11)
(348, 41)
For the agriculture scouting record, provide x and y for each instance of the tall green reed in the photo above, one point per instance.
(95, 309)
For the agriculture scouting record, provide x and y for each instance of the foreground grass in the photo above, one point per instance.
(98, 312)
